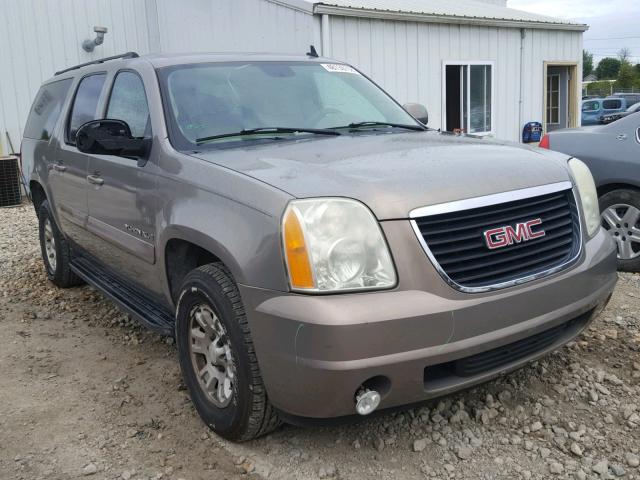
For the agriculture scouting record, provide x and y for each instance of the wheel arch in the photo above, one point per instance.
(184, 249)
(610, 187)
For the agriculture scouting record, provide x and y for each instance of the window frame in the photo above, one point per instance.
(112, 84)
(73, 103)
(550, 108)
(467, 93)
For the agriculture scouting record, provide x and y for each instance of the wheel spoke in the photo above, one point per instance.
(631, 216)
(625, 250)
(610, 216)
(635, 235)
(199, 342)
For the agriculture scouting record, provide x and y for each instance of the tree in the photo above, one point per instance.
(626, 76)
(624, 54)
(608, 68)
(637, 69)
(587, 63)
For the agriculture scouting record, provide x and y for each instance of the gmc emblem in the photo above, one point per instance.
(508, 235)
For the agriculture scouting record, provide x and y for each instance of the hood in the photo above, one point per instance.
(396, 172)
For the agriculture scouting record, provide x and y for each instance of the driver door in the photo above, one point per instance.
(122, 194)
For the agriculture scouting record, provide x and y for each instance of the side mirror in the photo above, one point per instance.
(110, 137)
(418, 111)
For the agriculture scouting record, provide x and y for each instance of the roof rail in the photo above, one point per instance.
(101, 60)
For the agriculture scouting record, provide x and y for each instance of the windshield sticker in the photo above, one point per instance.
(339, 68)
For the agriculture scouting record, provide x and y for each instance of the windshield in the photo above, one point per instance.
(216, 99)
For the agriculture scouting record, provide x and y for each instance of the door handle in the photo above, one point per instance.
(96, 180)
(59, 168)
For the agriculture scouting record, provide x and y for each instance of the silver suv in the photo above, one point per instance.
(314, 248)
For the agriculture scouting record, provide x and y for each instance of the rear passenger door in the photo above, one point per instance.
(122, 196)
(68, 167)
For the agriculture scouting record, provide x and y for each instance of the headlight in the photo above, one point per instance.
(588, 194)
(333, 244)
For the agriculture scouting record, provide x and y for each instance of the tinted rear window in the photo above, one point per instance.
(85, 104)
(46, 110)
(612, 104)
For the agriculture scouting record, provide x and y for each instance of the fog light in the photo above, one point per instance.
(367, 401)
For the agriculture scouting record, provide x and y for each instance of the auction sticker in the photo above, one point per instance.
(339, 68)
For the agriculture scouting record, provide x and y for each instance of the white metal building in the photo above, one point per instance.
(476, 64)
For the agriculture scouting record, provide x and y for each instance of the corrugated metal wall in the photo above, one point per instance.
(39, 37)
(42, 36)
(407, 60)
(235, 25)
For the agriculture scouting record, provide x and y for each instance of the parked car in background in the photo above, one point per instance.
(631, 98)
(595, 109)
(612, 117)
(612, 152)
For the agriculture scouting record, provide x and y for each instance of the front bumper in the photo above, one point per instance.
(315, 351)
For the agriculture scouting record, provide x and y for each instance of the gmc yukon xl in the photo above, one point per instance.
(314, 248)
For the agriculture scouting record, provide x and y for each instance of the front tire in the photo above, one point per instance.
(217, 356)
(56, 253)
(620, 210)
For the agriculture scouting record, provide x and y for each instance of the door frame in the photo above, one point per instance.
(445, 63)
(573, 95)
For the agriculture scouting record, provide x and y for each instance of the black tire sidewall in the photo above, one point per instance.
(230, 421)
(626, 197)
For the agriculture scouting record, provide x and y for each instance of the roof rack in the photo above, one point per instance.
(101, 60)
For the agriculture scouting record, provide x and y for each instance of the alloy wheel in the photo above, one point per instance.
(623, 224)
(50, 246)
(211, 355)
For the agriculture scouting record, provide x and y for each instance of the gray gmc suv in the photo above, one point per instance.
(314, 248)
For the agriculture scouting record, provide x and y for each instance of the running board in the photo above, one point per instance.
(135, 303)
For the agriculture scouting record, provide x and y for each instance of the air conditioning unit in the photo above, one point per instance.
(10, 192)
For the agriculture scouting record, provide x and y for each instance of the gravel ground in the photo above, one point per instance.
(88, 393)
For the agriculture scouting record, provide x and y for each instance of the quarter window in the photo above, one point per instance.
(46, 110)
(85, 104)
(128, 102)
(612, 104)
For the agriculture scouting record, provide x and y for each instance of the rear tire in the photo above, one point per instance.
(56, 253)
(217, 356)
(620, 210)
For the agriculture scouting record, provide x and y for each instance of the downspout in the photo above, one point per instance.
(325, 33)
(521, 100)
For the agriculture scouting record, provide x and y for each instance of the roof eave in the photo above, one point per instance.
(321, 9)
(299, 5)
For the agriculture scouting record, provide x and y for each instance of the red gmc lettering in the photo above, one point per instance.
(508, 235)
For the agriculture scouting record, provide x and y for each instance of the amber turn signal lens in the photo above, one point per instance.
(300, 273)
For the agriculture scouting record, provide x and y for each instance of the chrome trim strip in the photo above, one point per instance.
(507, 196)
(488, 200)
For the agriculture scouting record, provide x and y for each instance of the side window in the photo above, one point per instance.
(85, 104)
(46, 109)
(590, 106)
(128, 102)
(612, 104)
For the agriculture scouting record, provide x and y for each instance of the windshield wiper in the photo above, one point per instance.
(383, 124)
(253, 131)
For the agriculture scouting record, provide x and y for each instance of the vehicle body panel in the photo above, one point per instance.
(394, 173)
(612, 152)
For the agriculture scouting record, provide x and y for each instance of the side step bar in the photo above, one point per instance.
(135, 303)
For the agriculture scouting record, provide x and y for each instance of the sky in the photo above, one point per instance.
(613, 24)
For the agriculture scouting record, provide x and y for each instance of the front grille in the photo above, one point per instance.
(456, 241)
(505, 355)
